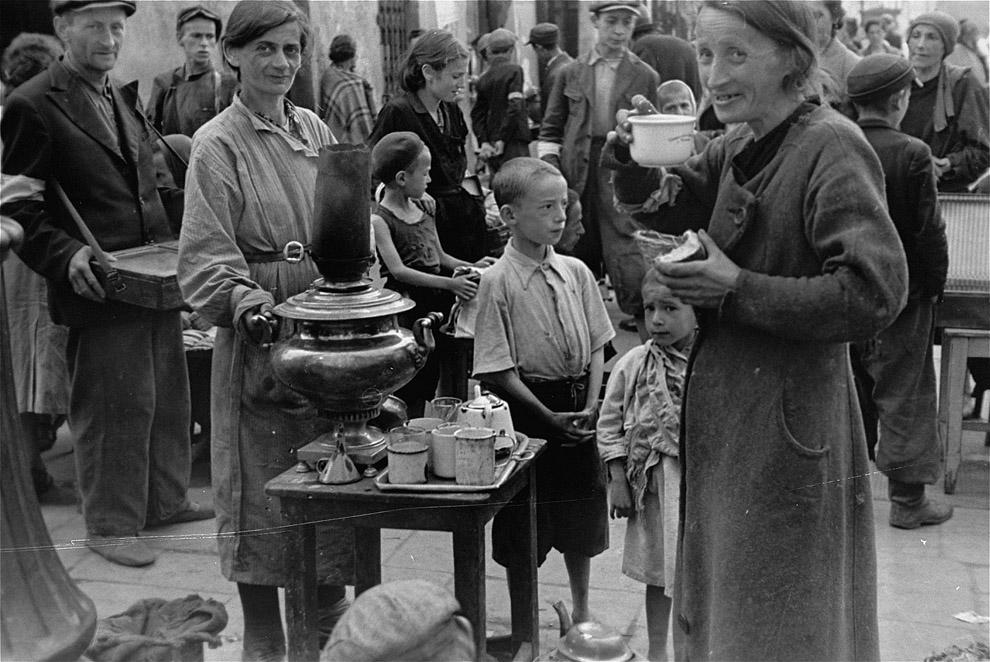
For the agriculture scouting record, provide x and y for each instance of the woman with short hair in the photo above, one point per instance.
(776, 558)
(949, 111)
(249, 200)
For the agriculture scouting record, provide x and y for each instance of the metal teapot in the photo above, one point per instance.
(487, 411)
(588, 642)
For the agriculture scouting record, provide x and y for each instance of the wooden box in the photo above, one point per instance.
(148, 276)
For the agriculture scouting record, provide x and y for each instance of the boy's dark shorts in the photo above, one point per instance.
(572, 507)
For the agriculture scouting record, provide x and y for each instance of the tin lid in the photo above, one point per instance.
(353, 300)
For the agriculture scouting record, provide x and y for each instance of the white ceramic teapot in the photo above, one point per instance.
(487, 411)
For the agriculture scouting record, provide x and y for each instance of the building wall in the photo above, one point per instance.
(150, 46)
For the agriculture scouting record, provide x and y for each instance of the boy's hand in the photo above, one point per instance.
(463, 286)
(619, 498)
(573, 426)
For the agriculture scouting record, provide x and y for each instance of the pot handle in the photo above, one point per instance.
(422, 330)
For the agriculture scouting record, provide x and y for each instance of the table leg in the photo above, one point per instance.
(367, 558)
(526, 615)
(300, 593)
(469, 579)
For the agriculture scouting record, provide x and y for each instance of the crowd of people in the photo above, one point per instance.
(737, 438)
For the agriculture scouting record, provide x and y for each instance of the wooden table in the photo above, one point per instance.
(304, 501)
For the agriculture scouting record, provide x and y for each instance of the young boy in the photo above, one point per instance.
(638, 437)
(539, 343)
(412, 260)
(895, 371)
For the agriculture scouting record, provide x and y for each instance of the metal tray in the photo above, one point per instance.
(434, 484)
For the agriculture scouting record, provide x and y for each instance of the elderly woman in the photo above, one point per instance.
(249, 196)
(949, 112)
(776, 558)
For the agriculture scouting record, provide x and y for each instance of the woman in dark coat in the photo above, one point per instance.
(434, 75)
(776, 559)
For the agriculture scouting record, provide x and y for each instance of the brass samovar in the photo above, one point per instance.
(341, 345)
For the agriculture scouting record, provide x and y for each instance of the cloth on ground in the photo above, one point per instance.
(153, 628)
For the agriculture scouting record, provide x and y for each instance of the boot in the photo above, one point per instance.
(910, 508)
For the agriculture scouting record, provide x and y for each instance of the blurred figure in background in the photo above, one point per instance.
(895, 371)
(347, 102)
(545, 40)
(967, 51)
(949, 111)
(37, 344)
(186, 98)
(498, 117)
(876, 41)
(670, 56)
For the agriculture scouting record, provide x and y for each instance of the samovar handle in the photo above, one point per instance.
(422, 331)
(266, 326)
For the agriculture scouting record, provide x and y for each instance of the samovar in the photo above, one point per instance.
(341, 345)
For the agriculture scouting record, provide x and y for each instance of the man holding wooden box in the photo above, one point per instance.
(72, 127)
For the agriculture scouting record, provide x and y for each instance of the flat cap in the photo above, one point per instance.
(389, 620)
(877, 76)
(60, 7)
(199, 11)
(629, 5)
(500, 40)
(544, 34)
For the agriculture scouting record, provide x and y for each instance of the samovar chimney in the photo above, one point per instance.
(341, 242)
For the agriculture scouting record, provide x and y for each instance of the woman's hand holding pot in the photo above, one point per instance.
(701, 283)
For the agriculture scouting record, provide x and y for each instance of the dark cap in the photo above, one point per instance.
(501, 40)
(878, 76)
(544, 34)
(198, 11)
(394, 153)
(60, 7)
(643, 26)
(342, 48)
(946, 25)
(630, 5)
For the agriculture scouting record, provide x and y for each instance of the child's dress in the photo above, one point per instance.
(418, 248)
(640, 421)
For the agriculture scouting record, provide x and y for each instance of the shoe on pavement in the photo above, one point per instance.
(929, 512)
(190, 512)
(122, 550)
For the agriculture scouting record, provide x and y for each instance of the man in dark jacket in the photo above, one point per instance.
(186, 98)
(550, 59)
(71, 126)
(895, 371)
(498, 118)
(579, 115)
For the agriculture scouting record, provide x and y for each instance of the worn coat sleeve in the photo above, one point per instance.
(863, 282)
(932, 250)
(156, 102)
(213, 273)
(970, 156)
(555, 114)
(611, 433)
(515, 110)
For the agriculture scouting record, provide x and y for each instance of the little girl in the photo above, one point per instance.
(412, 260)
(638, 430)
